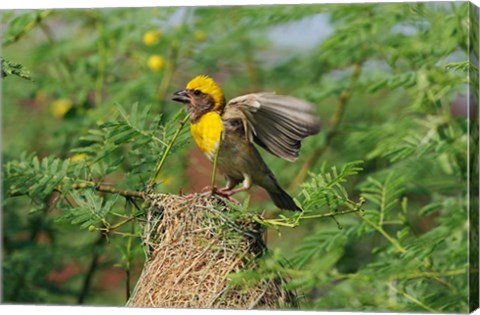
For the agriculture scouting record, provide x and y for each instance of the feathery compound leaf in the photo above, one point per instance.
(317, 245)
(326, 189)
(16, 69)
(29, 176)
(89, 209)
(385, 195)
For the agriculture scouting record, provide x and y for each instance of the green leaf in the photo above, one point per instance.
(12, 68)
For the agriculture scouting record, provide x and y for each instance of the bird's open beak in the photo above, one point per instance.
(181, 97)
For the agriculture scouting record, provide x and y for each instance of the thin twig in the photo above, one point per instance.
(98, 187)
(380, 229)
(282, 222)
(121, 223)
(167, 150)
(448, 273)
(402, 249)
(110, 189)
(411, 298)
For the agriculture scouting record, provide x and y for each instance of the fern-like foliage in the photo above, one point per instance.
(326, 188)
(11, 68)
(144, 135)
(324, 195)
(389, 82)
(103, 151)
(87, 209)
(38, 178)
(382, 197)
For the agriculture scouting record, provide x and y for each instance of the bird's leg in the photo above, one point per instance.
(231, 183)
(209, 188)
(247, 183)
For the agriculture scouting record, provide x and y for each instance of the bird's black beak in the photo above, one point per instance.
(181, 97)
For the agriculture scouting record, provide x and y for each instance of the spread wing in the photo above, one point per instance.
(277, 123)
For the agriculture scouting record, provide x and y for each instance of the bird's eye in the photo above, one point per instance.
(196, 92)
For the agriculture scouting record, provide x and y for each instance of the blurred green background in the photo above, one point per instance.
(389, 82)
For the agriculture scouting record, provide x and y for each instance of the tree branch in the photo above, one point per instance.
(110, 189)
(99, 187)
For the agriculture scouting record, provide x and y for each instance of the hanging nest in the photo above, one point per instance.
(194, 244)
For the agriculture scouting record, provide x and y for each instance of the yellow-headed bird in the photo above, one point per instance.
(275, 122)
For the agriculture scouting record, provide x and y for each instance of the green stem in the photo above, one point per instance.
(283, 222)
(121, 223)
(392, 240)
(402, 250)
(411, 298)
(448, 273)
(167, 150)
(330, 214)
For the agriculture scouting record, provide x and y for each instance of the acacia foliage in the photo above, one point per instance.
(385, 199)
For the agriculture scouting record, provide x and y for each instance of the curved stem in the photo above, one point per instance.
(167, 150)
(413, 299)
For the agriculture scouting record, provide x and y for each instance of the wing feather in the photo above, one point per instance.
(277, 123)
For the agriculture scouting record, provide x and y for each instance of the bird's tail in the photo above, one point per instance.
(283, 200)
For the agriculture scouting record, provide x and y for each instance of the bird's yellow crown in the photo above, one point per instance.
(207, 85)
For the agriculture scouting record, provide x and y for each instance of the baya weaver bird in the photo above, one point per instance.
(274, 122)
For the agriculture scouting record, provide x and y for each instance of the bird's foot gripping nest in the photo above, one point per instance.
(195, 243)
(225, 192)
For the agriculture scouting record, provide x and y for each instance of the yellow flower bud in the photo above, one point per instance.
(156, 62)
(78, 157)
(60, 107)
(200, 36)
(151, 37)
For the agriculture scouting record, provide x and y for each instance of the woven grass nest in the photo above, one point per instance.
(194, 243)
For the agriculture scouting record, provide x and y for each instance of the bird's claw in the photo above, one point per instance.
(223, 192)
(208, 188)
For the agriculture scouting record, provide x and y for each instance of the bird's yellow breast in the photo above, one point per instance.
(207, 132)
